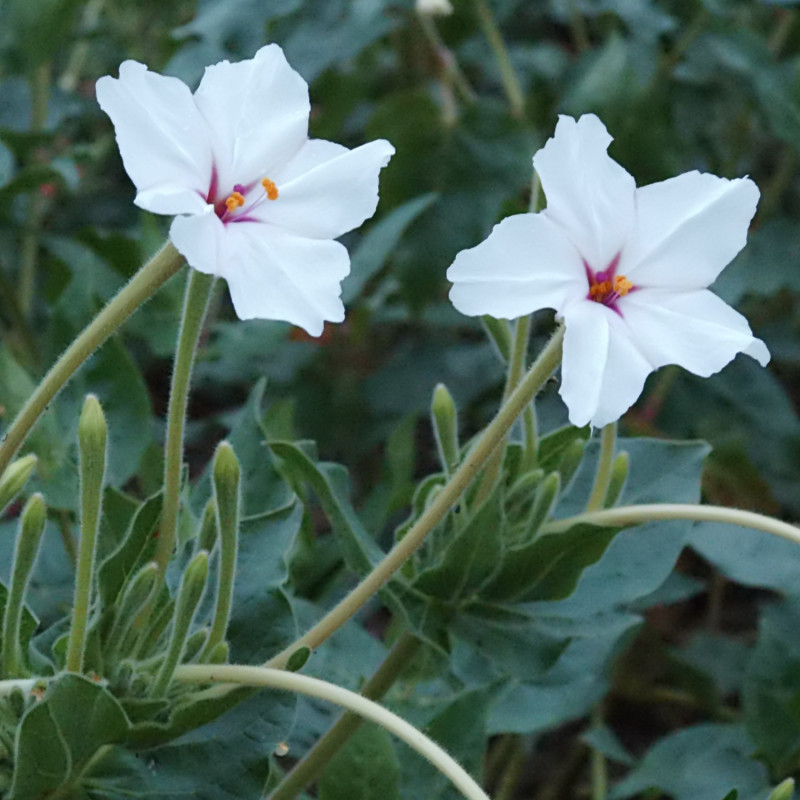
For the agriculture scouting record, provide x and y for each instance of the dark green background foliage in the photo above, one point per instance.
(671, 649)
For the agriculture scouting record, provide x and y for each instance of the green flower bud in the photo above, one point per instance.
(207, 535)
(543, 503)
(134, 599)
(616, 481)
(31, 528)
(570, 460)
(14, 478)
(297, 660)
(219, 654)
(783, 791)
(92, 429)
(445, 427)
(189, 595)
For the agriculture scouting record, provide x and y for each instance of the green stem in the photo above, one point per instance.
(40, 94)
(508, 77)
(141, 287)
(633, 515)
(599, 768)
(534, 380)
(516, 364)
(198, 293)
(311, 766)
(512, 771)
(605, 461)
(446, 57)
(313, 687)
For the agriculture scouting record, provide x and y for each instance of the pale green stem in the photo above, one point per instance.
(198, 293)
(311, 766)
(508, 77)
(599, 767)
(141, 287)
(314, 687)
(605, 461)
(40, 94)
(537, 376)
(516, 364)
(446, 56)
(633, 515)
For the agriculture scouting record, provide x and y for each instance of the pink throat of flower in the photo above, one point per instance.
(606, 286)
(236, 207)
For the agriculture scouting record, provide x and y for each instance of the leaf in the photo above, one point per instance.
(135, 550)
(703, 762)
(60, 735)
(378, 243)
(6, 165)
(549, 567)
(470, 556)
(365, 769)
(359, 549)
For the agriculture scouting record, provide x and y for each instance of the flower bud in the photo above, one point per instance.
(207, 535)
(92, 429)
(134, 599)
(616, 481)
(783, 791)
(30, 535)
(546, 496)
(297, 660)
(15, 477)
(445, 427)
(570, 460)
(218, 654)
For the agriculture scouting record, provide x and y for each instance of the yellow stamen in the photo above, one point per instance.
(270, 188)
(234, 201)
(622, 285)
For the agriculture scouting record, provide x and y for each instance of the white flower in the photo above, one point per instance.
(260, 203)
(434, 7)
(626, 269)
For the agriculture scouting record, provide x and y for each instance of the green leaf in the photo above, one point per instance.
(6, 165)
(365, 769)
(470, 557)
(359, 549)
(378, 243)
(59, 736)
(704, 762)
(135, 550)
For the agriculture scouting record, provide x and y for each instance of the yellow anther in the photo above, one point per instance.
(270, 188)
(622, 285)
(234, 201)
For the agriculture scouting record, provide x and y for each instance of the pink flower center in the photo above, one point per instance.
(236, 206)
(606, 286)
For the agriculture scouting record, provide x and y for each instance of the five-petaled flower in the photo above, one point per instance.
(626, 268)
(259, 203)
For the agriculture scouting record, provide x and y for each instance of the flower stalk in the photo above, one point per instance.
(30, 535)
(534, 380)
(314, 687)
(605, 464)
(198, 294)
(141, 287)
(92, 435)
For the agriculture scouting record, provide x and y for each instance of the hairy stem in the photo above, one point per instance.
(198, 293)
(605, 461)
(311, 766)
(141, 287)
(313, 687)
(533, 381)
(633, 515)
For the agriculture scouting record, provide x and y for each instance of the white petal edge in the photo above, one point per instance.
(588, 193)
(333, 196)
(199, 238)
(276, 275)
(526, 263)
(695, 330)
(257, 111)
(688, 229)
(161, 136)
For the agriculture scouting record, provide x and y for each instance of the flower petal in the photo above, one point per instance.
(199, 238)
(695, 330)
(334, 195)
(588, 193)
(162, 138)
(603, 370)
(526, 263)
(688, 229)
(257, 111)
(276, 275)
